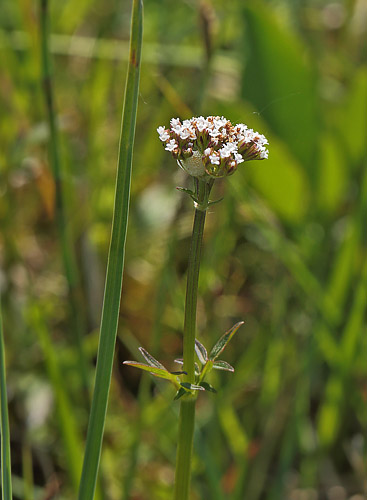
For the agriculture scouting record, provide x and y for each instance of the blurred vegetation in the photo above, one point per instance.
(285, 250)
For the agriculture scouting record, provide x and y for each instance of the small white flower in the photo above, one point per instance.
(171, 145)
(238, 158)
(175, 122)
(214, 158)
(228, 149)
(207, 151)
(184, 133)
(163, 134)
(201, 123)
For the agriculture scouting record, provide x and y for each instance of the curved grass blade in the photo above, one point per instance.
(111, 303)
(4, 423)
(223, 341)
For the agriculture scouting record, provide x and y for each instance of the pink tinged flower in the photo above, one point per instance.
(171, 145)
(163, 134)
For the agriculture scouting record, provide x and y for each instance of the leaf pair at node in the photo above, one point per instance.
(208, 363)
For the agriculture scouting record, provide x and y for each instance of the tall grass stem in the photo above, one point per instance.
(4, 422)
(111, 303)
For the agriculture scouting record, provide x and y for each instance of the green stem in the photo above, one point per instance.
(187, 409)
(4, 424)
(68, 257)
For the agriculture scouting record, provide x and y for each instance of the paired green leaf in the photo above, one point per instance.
(223, 341)
(223, 365)
(158, 372)
(151, 361)
(208, 387)
(201, 352)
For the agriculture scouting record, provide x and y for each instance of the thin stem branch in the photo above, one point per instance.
(187, 409)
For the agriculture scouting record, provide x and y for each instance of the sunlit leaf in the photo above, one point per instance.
(223, 365)
(223, 341)
(201, 352)
(192, 387)
(158, 372)
(151, 361)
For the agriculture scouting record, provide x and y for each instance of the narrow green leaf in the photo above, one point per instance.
(223, 341)
(115, 265)
(158, 372)
(223, 365)
(208, 387)
(191, 387)
(151, 361)
(4, 424)
(181, 392)
(201, 352)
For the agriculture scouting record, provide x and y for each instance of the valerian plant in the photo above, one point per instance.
(207, 149)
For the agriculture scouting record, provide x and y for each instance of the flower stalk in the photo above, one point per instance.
(187, 409)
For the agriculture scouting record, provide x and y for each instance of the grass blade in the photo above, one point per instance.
(4, 421)
(64, 235)
(111, 303)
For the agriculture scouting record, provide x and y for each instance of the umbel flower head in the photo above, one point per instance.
(212, 146)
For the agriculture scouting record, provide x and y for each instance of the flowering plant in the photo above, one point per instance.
(206, 148)
(212, 146)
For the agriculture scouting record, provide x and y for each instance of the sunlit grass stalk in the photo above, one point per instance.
(4, 422)
(187, 408)
(67, 251)
(111, 303)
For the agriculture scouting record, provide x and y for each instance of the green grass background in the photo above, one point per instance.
(285, 250)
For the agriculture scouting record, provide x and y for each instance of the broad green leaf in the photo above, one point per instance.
(201, 352)
(223, 365)
(158, 372)
(352, 117)
(151, 361)
(223, 341)
(281, 81)
(332, 177)
(208, 387)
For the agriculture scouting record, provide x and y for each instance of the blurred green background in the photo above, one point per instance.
(285, 250)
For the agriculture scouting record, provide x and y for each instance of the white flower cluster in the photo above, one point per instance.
(220, 145)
